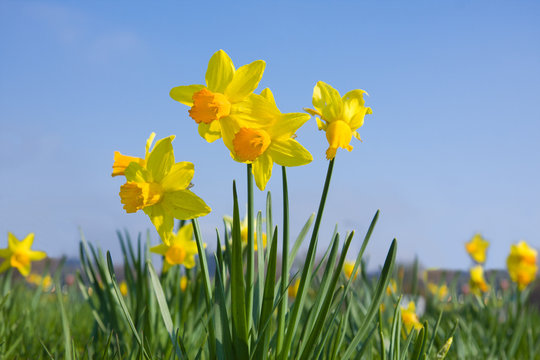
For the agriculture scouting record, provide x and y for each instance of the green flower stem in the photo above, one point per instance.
(250, 248)
(306, 272)
(284, 263)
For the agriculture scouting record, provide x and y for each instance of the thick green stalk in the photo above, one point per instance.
(250, 249)
(284, 264)
(306, 271)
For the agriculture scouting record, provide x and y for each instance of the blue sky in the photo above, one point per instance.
(451, 149)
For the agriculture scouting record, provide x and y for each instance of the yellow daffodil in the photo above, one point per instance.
(477, 248)
(477, 281)
(226, 94)
(293, 289)
(121, 162)
(183, 282)
(266, 140)
(19, 255)
(243, 233)
(340, 117)
(439, 292)
(409, 318)
(180, 248)
(161, 189)
(521, 264)
(348, 268)
(391, 288)
(123, 288)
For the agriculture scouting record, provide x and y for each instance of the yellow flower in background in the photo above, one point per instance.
(477, 281)
(267, 139)
(391, 288)
(477, 248)
(225, 96)
(293, 289)
(340, 117)
(409, 318)
(19, 255)
(439, 292)
(521, 263)
(183, 282)
(180, 248)
(348, 268)
(121, 162)
(161, 189)
(123, 288)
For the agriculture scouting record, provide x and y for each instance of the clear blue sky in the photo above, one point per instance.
(452, 147)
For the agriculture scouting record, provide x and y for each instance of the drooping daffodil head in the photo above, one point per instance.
(19, 254)
(266, 139)
(178, 249)
(161, 189)
(121, 161)
(348, 268)
(340, 117)
(225, 95)
(477, 280)
(409, 318)
(521, 263)
(477, 248)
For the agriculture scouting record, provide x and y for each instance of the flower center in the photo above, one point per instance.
(209, 106)
(175, 255)
(136, 196)
(339, 135)
(20, 259)
(250, 143)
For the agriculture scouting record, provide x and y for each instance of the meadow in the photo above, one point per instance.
(257, 296)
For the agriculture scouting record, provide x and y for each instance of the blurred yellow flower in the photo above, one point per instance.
(161, 189)
(244, 235)
(391, 288)
(19, 255)
(180, 248)
(521, 263)
(348, 268)
(409, 318)
(293, 289)
(340, 117)
(439, 292)
(123, 288)
(267, 139)
(477, 281)
(225, 96)
(121, 162)
(183, 282)
(477, 248)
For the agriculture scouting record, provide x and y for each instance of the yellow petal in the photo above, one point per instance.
(13, 242)
(220, 72)
(37, 255)
(189, 262)
(312, 112)
(210, 132)
(149, 142)
(25, 269)
(178, 177)
(288, 124)
(289, 152)
(327, 101)
(354, 109)
(161, 158)
(245, 80)
(184, 205)
(163, 221)
(160, 249)
(262, 170)
(268, 95)
(321, 125)
(255, 111)
(186, 233)
(136, 173)
(27, 242)
(184, 94)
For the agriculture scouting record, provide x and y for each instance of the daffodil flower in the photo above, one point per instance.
(340, 117)
(477, 281)
(477, 248)
(180, 248)
(226, 94)
(521, 263)
(409, 318)
(19, 255)
(348, 267)
(161, 189)
(121, 162)
(293, 289)
(268, 140)
(439, 292)
(244, 232)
